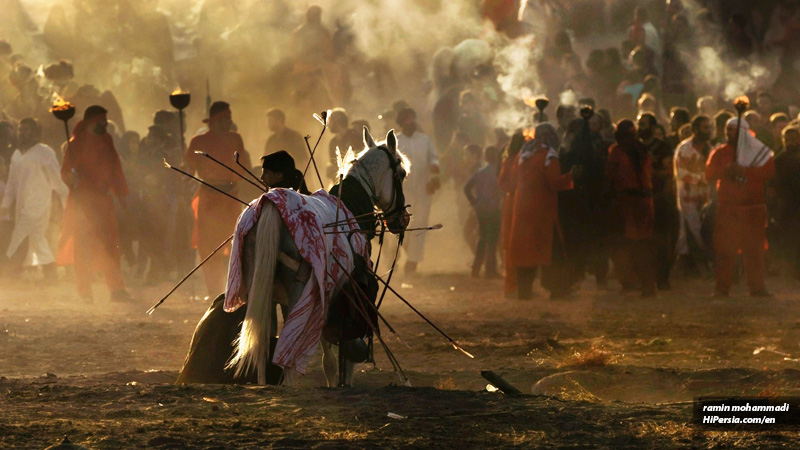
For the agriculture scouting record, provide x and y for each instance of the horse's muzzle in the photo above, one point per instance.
(398, 223)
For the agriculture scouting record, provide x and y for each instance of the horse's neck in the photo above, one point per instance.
(357, 199)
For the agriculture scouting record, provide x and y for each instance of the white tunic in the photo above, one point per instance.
(693, 193)
(419, 149)
(33, 177)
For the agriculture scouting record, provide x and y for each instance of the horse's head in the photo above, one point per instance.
(386, 169)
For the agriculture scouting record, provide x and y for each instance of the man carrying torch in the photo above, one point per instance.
(89, 234)
(740, 169)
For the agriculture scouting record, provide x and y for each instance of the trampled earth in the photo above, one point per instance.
(600, 370)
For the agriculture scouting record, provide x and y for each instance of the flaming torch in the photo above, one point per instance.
(63, 110)
(741, 103)
(542, 103)
(180, 100)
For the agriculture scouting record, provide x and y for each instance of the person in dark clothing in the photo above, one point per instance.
(667, 216)
(484, 195)
(344, 137)
(470, 120)
(283, 137)
(629, 179)
(278, 171)
(678, 117)
(787, 191)
(582, 211)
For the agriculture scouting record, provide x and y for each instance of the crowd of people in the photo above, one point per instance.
(644, 171)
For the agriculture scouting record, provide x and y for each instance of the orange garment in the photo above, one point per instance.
(535, 214)
(741, 220)
(215, 214)
(633, 190)
(731, 192)
(89, 234)
(506, 184)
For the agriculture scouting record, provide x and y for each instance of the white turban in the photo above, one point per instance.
(750, 151)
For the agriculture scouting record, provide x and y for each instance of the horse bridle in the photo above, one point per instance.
(397, 205)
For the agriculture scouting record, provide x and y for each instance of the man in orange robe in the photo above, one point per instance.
(740, 174)
(506, 184)
(89, 234)
(629, 171)
(535, 216)
(215, 214)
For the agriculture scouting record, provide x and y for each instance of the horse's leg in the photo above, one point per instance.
(349, 368)
(293, 273)
(330, 364)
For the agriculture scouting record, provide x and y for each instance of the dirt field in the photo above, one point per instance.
(599, 371)
(609, 372)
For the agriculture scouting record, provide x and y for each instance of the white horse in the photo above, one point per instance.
(273, 269)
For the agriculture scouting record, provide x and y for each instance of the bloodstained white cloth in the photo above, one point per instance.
(305, 216)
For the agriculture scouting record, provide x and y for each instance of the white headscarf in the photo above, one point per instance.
(545, 136)
(750, 151)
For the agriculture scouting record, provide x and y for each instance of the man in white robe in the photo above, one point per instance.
(34, 175)
(693, 189)
(421, 184)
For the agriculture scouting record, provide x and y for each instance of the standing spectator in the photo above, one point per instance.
(506, 182)
(153, 188)
(535, 228)
(8, 141)
(582, 211)
(89, 234)
(420, 185)
(677, 118)
(343, 138)
(787, 189)
(693, 194)
(774, 138)
(707, 106)
(33, 178)
(283, 137)
(677, 35)
(215, 214)
(720, 119)
(484, 196)
(629, 172)
(667, 218)
(740, 168)
(470, 120)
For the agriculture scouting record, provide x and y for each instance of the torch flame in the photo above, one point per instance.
(60, 104)
(742, 102)
(529, 133)
(178, 91)
(530, 101)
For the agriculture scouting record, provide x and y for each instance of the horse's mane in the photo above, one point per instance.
(345, 162)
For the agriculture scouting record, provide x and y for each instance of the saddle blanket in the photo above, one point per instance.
(305, 217)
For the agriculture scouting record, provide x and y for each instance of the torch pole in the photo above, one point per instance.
(183, 138)
(66, 129)
(738, 130)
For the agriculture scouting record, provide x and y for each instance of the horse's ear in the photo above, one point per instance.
(368, 141)
(391, 141)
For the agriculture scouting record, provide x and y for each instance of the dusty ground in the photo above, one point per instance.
(600, 370)
(612, 371)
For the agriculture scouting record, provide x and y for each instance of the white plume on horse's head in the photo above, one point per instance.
(344, 162)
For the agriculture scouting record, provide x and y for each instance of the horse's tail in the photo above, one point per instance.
(252, 345)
